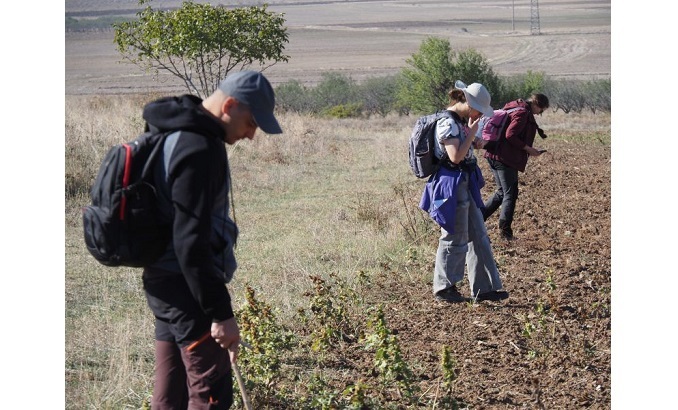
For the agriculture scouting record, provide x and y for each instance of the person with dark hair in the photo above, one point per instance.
(196, 334)
(452, 198)
(509, 155)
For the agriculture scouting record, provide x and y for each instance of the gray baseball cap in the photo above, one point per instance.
(253, 89)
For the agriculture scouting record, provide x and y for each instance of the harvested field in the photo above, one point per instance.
(374, 38)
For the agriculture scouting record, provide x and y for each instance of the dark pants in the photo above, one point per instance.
(506, 195)
(191, 370)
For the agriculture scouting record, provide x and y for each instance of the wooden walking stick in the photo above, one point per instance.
(241, 383)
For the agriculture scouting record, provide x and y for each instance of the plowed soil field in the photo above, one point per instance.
(548, 345)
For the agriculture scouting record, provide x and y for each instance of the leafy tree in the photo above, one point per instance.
(201, 43)
(434, 69)
(424, 87)
(533, 83)
(473, 67)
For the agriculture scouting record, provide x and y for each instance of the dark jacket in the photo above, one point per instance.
(193, 184)
(520, 132)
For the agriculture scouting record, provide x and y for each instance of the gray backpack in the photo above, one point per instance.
(423, 161)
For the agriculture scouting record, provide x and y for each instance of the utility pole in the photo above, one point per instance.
(534, 17)
(513, 15)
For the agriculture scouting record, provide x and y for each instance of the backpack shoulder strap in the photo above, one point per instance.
(444, 114)
(147, 172)
(510, 110)
(168, 148)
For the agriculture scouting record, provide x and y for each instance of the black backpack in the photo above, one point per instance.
(123, 225)
(423, 161)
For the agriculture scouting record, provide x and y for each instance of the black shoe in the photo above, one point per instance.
(451, 295)
(505, 230)
(507, 236)
(493, 295)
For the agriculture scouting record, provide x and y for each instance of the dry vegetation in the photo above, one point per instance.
(336, 202)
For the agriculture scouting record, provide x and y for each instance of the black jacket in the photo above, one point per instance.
(193, 182)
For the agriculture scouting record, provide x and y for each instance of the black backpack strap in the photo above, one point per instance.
(147, 172)
(445, 159)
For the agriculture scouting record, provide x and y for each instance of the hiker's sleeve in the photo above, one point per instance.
(446, 129)
(490, 145)
(451, 136)
(195, 178)
(516, 128)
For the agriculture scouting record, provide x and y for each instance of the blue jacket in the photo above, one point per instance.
(440, 195)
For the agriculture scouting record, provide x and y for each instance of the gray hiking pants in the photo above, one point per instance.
(468, 246)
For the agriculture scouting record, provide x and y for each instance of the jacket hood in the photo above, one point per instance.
(517, 103)
(181, 113)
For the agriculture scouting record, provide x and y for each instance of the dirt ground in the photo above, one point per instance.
(548, 345)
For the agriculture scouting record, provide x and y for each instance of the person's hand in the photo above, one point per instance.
(227, 334)
(533, 152)
(479, 143)
(473, 125)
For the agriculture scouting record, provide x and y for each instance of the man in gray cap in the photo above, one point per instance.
(197, 337)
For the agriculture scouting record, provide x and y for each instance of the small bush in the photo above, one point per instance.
(350, 110)
(378, 95)
(335, 89)
(293, 96)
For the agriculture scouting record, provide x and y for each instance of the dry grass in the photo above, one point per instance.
(325, 197)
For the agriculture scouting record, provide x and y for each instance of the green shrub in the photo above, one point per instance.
(334, 89)
(378, 95)
(267, 342)
(350, 110)
(520, 86)
(293, 96)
